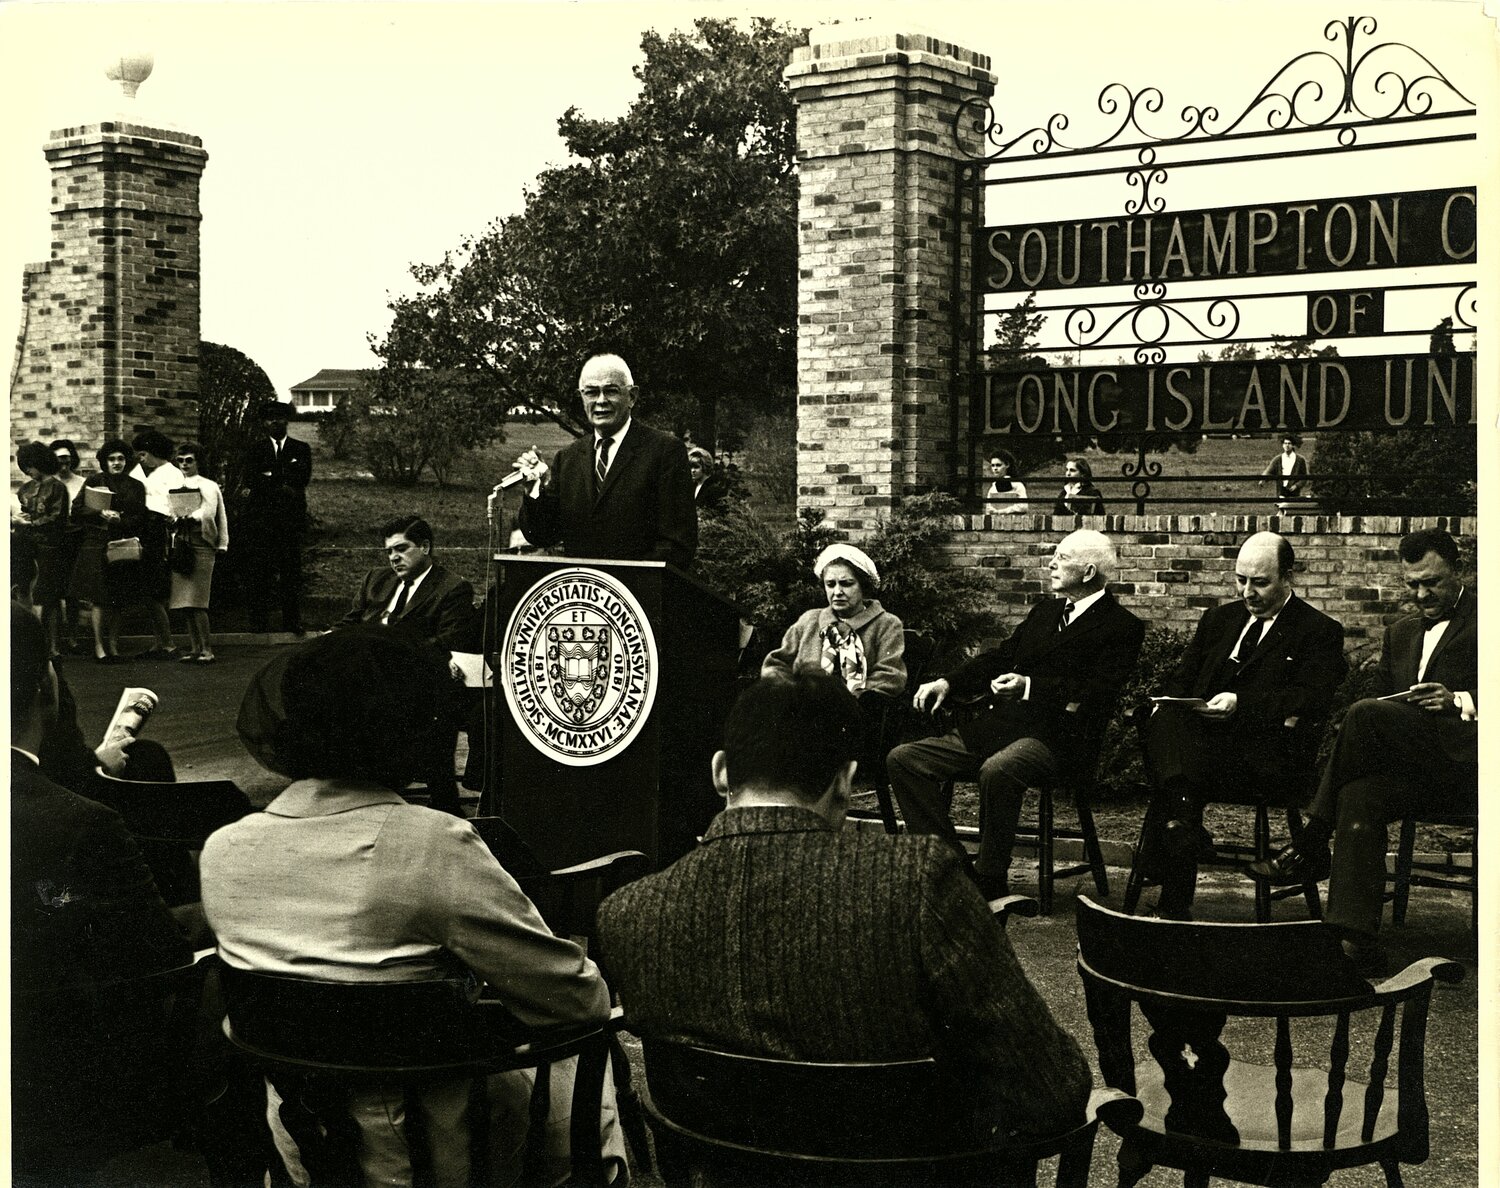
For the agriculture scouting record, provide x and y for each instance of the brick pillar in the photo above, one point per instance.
(876, 242)
(109, 330)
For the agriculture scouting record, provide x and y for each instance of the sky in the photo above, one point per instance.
(348, 140)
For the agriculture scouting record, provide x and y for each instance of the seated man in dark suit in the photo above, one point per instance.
(622, 491)
(84, 913)
(786, 935)
(1414, 744)
(1255, 662)
(416, 596)
(1078, 647)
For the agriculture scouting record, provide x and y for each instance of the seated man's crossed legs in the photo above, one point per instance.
(920, 772)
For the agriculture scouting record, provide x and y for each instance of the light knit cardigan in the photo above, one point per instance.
(879, 634)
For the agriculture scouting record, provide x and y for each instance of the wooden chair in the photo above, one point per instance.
(1044, 835)
(1446, 874)
(172, 821)
(748, 1120)
(314, 1040)
(753, 1121)
(1211, 1114)
(100, 1069)
(1302, 741)
(568, 900)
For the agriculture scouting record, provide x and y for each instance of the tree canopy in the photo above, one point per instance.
(232, 388)
(670, 237)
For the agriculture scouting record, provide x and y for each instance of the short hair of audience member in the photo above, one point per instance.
(29, 665)
(62, 443)
(35, 454)
(153, 442)
(359, 705)
(792, 732)
(1416, 545)
(114, 445)
(414, 528)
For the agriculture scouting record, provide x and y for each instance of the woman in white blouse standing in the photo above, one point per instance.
(207, 529)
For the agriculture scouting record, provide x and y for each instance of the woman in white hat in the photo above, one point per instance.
(853, 637)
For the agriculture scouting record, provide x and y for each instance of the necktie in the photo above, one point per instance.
(1255, 631)
(1066, 615)
(400, 604)
(601, 464)
(276, 447)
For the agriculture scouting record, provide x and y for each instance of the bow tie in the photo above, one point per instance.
(1429, 624)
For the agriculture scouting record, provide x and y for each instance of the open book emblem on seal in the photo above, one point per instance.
(579, 667)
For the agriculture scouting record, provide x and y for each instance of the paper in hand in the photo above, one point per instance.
(477, 674)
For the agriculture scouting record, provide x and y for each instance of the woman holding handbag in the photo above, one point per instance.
(205, 532)
(107, 574)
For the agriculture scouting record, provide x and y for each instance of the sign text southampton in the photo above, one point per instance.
(1374, 392)
(1412, 230)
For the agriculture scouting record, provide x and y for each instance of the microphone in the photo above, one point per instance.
(504, 484)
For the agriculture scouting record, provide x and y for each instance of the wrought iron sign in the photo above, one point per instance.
(1358, 95)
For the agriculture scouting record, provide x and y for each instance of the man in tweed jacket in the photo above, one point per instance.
(785, 935)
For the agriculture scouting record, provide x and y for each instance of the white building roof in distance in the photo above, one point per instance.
(333, 379)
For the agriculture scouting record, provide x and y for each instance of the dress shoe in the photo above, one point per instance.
(1291, 865)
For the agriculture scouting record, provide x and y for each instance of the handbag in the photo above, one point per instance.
(181, 557)
(128, 549)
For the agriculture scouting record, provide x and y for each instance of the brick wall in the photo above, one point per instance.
(1172, 567)
(876, 161)
(110, 323)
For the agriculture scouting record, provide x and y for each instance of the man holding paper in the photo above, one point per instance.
(1415, 743)
(1253, 663)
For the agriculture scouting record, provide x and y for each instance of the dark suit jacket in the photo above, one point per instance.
(278, 486)
(439, 611)
(644, 511)
(1088, 662)
(1454, 663)
(1288, 486)
(1295, 671)
(83, 905)
(780, 937)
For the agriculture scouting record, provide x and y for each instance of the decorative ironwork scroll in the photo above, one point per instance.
(1149, 321)
(1387, 82)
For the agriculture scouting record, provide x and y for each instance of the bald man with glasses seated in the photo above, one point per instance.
(623, 491)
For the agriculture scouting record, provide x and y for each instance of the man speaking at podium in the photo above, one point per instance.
(623, 492)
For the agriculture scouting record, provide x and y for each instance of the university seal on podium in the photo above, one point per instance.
(578, 665)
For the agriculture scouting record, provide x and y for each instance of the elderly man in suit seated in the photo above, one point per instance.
(1075, 649)
(1413, 745)
(786, 935)
(416, 596)
(623, 491)
(340, 880)
(84, 913)
(1253, 663)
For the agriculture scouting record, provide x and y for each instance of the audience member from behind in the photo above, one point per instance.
(84, 912)
(340, 879)
(43, 523)
(1079, 496)
(785, 935)
(853, 637)
(108, 585)
(1006, 495)
(206, 530)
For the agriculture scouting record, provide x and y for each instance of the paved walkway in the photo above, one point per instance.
(195, 721)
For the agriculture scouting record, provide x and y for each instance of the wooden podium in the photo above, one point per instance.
(612, 682)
